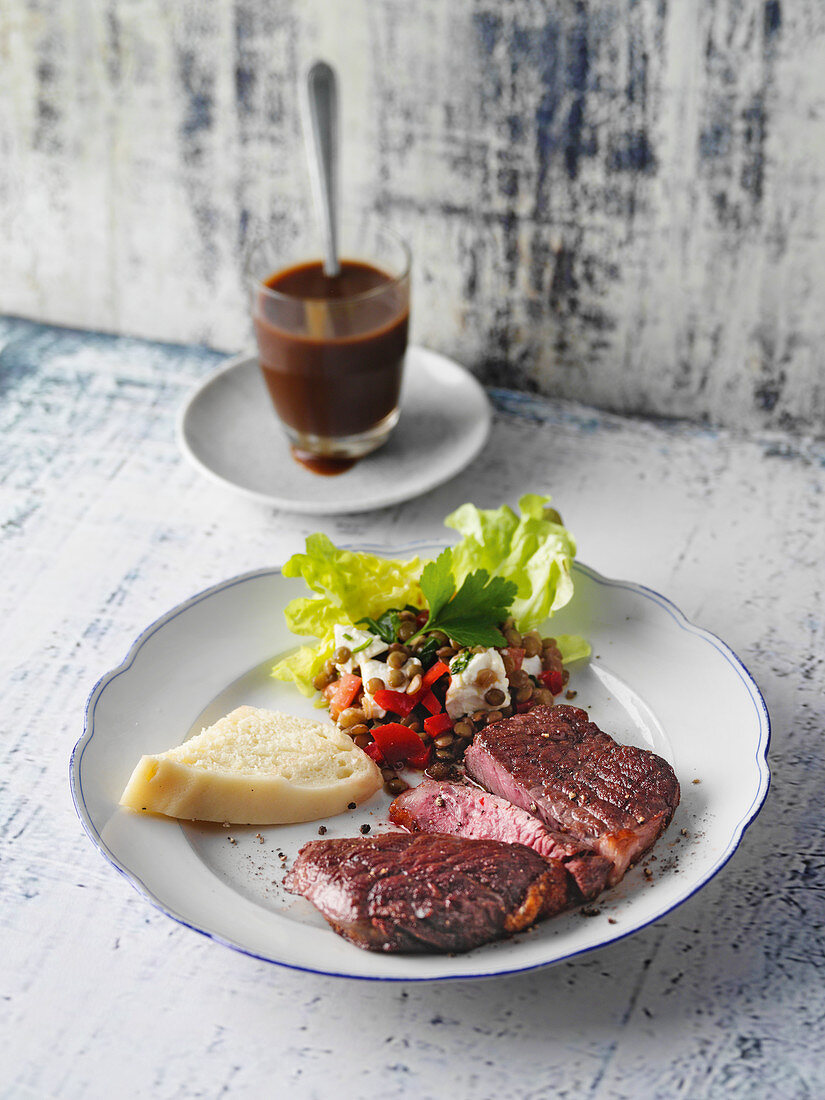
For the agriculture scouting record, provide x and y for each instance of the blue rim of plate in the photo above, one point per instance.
(681, 620)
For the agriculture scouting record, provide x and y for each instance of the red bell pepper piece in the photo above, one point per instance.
(341, 693)
(435, 673)
(429, 701)
(373, 751)
(422, 758)
(553, 679)
(396, 701)
(516, 655)
(437, 724)
(399, 744)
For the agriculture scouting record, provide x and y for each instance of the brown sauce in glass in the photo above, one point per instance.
(309, 281)
(332, 367)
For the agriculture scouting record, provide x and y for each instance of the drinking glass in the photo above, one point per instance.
(332, 349)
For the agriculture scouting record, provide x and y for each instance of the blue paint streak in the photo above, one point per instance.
(547, 140)
(578, 71)
(200, 101)
(631, 152)
(558, 51)
(30, 347)
(245, 80)
(15, 367)
(714, 140)
(488, 27)
(772, 17)
(755, 136)
(637, 79)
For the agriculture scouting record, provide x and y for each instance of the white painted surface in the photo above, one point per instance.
(619, 203)
(105, 527)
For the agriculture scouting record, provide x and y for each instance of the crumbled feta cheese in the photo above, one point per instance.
(464, 696)
(532, 665)
(369, 670)
(379, 669)
(354, 638)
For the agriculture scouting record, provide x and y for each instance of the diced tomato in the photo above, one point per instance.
(435, 673)
(429, 701)
(398, 702)
(421, 619)
(343, 693)
(398, 744)
(553, 679)
(437, 724)
(522, 708)
(516, 655)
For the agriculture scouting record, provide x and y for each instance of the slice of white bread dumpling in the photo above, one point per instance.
(255, 767)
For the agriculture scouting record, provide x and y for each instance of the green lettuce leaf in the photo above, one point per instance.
(303, 664)
(534, 550)
(349, 586)
(572, 647)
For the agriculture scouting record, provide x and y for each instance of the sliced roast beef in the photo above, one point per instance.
(426, 892)
(461, 810)
(555, 763)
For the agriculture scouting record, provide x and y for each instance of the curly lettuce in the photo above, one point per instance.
(350, 586)
(533, 550)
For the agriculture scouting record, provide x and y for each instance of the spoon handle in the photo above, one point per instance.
(321, 131)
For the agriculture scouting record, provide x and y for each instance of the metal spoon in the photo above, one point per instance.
(321, 135)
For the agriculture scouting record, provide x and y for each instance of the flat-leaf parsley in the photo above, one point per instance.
(470, 615)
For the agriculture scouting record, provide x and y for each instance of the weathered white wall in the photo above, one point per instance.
(619, 201)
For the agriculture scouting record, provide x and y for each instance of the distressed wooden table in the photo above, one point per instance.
(105, 527)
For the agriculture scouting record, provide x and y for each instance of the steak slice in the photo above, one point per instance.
(461, 810)
(557, 764)
(425, 892)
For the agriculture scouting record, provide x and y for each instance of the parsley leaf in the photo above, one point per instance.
(386, 627)
(427, 652)
(471, 614)
(460, 662)
(438, 582)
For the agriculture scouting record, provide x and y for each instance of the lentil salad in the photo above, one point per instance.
(414, 658)
(416, 693)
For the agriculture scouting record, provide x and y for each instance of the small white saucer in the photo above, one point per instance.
(229, 431)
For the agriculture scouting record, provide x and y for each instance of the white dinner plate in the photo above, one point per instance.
(228, 429)
(654, 680)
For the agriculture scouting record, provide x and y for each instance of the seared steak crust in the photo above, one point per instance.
(555, 763)
(461, 810)
(426, 892)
